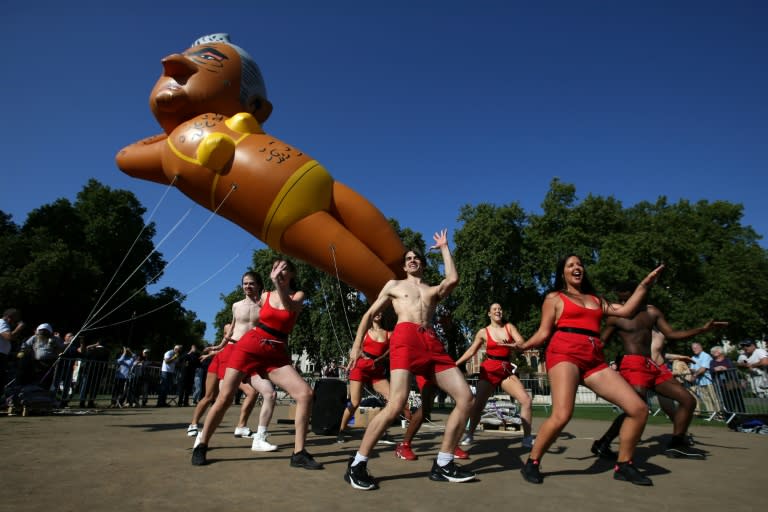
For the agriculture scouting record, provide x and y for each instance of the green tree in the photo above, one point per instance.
(489, 256)
(62, 266)
(715, 268)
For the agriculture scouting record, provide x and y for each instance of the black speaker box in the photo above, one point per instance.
(328, 406)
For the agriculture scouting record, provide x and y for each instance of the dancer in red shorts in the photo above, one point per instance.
(500, 338)
(643, 366)
(262, 351)
(214, 374)
(415, 348)
(245, 314)
(571, 316)
(369, 368)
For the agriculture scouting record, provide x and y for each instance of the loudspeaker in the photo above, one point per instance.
(328, 406)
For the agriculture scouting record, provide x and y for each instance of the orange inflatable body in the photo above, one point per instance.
(215, 148)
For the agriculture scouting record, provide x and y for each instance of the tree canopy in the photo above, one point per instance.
(63, 266)
(715, 268)
(64, 260)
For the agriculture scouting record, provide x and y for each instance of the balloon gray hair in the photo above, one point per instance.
(251, 79)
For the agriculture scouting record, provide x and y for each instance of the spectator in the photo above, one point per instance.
(122, 373)
(702, 380)
(757, 363)
(78, 371)
(682, 372)
(726, 381)
(331, 370)
(167, 374)
(65, 367)
(198, 387)
(187, 365)
(93, 368)
(139, 385)
(38, 355)
(10, 328)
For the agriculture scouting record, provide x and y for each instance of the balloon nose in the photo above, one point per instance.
(178, 67)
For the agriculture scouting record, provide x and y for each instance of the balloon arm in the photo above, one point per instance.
(143, 159)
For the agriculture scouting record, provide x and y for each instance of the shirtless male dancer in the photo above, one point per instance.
(415, 348)
(643, 366)
(245, 315)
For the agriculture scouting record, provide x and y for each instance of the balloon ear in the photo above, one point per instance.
(261, 109)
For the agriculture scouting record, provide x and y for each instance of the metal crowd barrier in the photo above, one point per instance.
(740, 393)
(90, 382)
(734, 392)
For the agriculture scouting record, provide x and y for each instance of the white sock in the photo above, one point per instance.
(444, 459)
(261, 430)
(359, 458)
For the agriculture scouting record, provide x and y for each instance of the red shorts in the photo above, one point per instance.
(641, 371)
(422, 381)
(586, 352)
(256, 353)
(219, 362)
(417, 350)
(366, 371)
(495, 371)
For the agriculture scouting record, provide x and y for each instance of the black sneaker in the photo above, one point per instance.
(627, 472)
(359, 477)
(531, 473)
(451, 472)
(679, 449)
(340, 438)
(304, 460)
(198, 455)
(603, 450)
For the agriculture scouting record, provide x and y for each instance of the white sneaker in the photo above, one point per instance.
(260, 443)
(243, 432)
(467, 440)
(385, 439)
(528, 442)
(198, 439)
(192, 430)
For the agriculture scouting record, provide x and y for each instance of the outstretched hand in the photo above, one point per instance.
(277, 272)
(713, 324)
(441, 239)
(652, 277)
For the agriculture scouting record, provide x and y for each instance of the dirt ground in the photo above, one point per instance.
(139, 459)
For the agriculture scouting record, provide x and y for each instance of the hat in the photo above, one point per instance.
(145, 351)
(746, 343)
(45, 327)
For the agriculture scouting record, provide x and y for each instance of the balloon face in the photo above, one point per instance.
(203, 79)
(216, 152)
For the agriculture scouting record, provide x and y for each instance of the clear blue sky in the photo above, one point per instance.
(420, 106)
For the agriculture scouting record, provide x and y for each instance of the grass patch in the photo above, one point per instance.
(603, 413)
(607, 413)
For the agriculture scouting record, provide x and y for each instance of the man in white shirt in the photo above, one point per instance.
(39, 353)
(757, 362)
(167, 373)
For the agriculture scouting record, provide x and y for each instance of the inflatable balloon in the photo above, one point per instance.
(211, 102)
